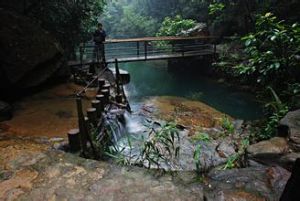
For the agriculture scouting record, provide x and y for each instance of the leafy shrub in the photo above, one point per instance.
(161, 146)
(215, 8)
(273, 51)
(278, 110)
(197, 153)
(227, 125)
(174, 26)
(199, 136)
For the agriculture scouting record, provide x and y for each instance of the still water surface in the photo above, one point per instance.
(152, 78)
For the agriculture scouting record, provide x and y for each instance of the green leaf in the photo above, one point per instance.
(248, 42)
(273, 38)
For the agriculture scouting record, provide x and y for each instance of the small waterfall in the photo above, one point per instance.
(115, 121)
(133, 124)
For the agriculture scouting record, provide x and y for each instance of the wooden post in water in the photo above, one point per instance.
(106, 87)
(101, 98)
(101, 83)
(74, 140)
(106, 94)
(81, 123)
(97, 104)
(92, 115)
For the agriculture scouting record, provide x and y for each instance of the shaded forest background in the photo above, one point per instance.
(136, 18)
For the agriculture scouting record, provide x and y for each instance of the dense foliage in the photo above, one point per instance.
(70, 22)
(175, 26)
(271, 63)
(122, 20)
(273, 52)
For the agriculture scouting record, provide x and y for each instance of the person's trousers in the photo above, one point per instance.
(99, 53)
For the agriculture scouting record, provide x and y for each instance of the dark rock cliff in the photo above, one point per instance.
(29, 56)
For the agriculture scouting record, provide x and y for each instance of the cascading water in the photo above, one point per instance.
(114, 120)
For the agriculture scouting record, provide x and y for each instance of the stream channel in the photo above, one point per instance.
(152, 79)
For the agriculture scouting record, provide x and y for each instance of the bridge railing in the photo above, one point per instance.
(149, 48)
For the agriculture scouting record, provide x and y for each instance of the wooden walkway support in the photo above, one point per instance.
(109, 97)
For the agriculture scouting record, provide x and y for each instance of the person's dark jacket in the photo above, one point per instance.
(99, 36)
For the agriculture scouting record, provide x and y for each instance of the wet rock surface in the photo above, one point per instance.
(292, 122)
(49, 113)
(32, 171)
(191, 114)
(247, 184)
(274, 147)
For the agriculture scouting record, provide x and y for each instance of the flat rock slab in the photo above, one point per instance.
(31, 171)
(51, 113)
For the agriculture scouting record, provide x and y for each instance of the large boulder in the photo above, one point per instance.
(292, 124)
(267, 148)
(270, 151)
(29, 55)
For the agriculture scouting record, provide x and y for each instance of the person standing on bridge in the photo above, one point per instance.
(99, 39)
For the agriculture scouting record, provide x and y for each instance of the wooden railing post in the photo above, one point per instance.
(215, 51)
(138, 48)
(173, 46)
(81, 50)
(81, 122)
(146, 49)
(117, 76)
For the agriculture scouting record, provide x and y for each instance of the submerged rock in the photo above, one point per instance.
(191, 114)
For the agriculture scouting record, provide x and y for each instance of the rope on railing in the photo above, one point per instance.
(91, 82)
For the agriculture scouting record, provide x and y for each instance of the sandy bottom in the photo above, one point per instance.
(51, 113)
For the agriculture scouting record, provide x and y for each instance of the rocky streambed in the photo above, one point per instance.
(33, 168)
(30, 169)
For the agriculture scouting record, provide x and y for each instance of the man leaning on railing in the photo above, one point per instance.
(99, 38)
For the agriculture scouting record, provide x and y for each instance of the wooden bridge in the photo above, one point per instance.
(150, 48)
